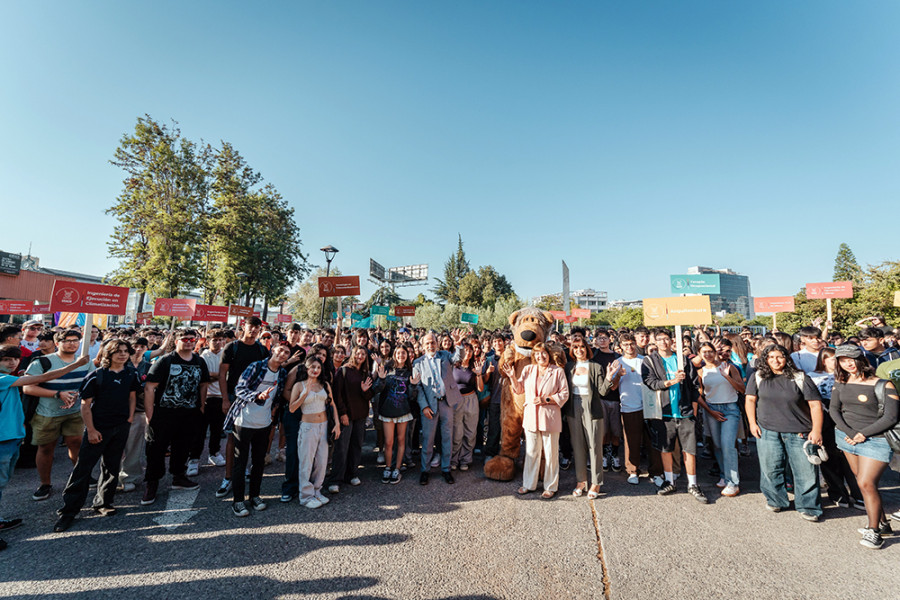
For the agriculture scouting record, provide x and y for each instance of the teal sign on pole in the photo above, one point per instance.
(695, 284)
(334, 315)
(392, 318)
(356, 316)
(380, 310)
(469, 318)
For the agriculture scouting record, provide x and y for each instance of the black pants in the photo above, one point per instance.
(290, 424)
(109, 452)
(836, 470)
(250, 443)
(170, 426)
(212, 419)
(492, 446)
(348, 452)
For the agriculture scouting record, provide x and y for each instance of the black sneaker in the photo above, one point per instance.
(225, 487)
(564, 463)
(448, 477)
(665, 489)
(386, 476)
(7, 524)
(43, 492)
(256, 503)
(181, 482)
(64, 522)
(883, 529)
(423, 479)
(150, 488)
(395, 476)
(697, 493)
(240, 509)
(2, 544)
(871, 539)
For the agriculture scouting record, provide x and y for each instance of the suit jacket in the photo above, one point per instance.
(544, 416)
(653, 372)
(599, 387)
(427, 396)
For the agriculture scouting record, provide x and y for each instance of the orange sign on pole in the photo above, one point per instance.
(829, 289)
(338, 286)
(774, 304)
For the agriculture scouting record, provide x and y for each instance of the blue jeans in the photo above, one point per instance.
(9, 454)
(774, 450)
(724, 436)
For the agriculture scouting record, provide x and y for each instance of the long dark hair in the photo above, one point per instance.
(763, 368)
(863, 367)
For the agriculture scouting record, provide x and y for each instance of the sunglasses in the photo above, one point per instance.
(188, 339)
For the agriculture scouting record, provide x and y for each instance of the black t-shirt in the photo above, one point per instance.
(179, 380)
(606, 358)
(110, 392)
(781, 406)
(238, 356)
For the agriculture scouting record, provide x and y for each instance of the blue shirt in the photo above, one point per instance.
(671, 364)
(12, 417)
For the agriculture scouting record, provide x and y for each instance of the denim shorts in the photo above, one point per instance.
(876, 448)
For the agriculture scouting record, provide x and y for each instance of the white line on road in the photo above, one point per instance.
(179, 508)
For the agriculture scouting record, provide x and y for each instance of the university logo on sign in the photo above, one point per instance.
(67, 296)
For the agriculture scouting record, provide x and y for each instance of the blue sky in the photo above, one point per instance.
(630, 139)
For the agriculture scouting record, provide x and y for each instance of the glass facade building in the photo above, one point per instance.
(734, 291)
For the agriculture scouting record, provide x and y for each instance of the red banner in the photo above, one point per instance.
(211, 313)
(41, 309)
(338, 286)
(774, 304)
(829, 289)
(76, 297)
(16, 307)
(235, 310)
(570, 318)
(558, 314)
(404, 311)
(581, 313)
(181, 308)
(284, 318)
(143, 318)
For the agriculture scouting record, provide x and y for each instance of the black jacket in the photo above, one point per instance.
(653, 373)
(599, 387)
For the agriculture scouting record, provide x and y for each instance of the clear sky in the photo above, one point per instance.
(631, 139)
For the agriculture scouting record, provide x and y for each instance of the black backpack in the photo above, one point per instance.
(892, 435)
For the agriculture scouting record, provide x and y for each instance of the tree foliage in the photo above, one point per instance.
(305, 304)
(455, 269)
(845, 266)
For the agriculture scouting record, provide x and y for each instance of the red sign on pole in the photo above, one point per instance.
(774, 304)
(284, 318)
(211, 313)
(181, 308)
(143, 318)
(829, 289)
(338, 286)
(16, 307)
(41, 309)
(236, 310)
(76, 297)
(404, 311)
(581, 313)
(570, 318)
(558, 314)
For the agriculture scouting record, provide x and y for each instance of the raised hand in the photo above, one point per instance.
(367, 384)
(507, 369)
(265, 394)
(416, 378)
(380, 370)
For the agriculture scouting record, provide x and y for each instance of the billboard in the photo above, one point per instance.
(408, 273)
(10, 264)
(695, 284)
(376, 270)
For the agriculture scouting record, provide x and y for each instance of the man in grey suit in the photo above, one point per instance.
(438, 398)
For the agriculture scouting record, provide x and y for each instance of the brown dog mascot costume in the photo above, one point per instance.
(529, 326)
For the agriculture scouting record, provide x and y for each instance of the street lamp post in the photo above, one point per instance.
(329, 251)
(240, 278)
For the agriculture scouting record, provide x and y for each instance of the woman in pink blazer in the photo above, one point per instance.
(545, 389)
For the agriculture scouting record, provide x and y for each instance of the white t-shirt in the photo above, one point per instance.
(805, 360)
(630, 384)
(253, 415)
(212, 363)
(32, 346)
(582, 383)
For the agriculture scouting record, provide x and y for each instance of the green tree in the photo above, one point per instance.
(845, 266)
(456, 267)
(305, 303)
(470, 288)
(550, 302)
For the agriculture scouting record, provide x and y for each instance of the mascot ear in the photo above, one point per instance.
(512, 318)
(549, 316)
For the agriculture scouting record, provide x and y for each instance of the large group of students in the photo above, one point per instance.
(817, 407)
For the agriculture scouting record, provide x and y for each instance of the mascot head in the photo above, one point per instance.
(530, 326)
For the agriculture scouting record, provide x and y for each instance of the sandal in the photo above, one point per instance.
(593, 493)
(548, 495)
(522, 491)
(580, 490)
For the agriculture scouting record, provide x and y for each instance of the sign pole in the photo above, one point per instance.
(86, 339)
(774, 321)
(828, 307)
(679, 349)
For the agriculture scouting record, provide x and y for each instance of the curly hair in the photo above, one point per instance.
(763, 368)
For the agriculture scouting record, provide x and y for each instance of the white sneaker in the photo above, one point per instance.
(380, 458)
(721, 483)
(658, 480)
(435, 461)
(355, 481)
(193, 468)
(323, 499)
(633, 479)
(128, 487)
(313, 503)
(463, 467)
(216, 460)
(334, 489)
(280, 456)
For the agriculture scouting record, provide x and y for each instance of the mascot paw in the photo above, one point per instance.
(500, 468)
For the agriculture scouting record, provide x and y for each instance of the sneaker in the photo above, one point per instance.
(744, 449)
(224, 488)
(380, 458)
(564, 463)
(216, 460)
(448, 476)
(616, 463)
(721, 483)
(324, 500)
(453, 467)
(313, 503)
(7, 524)
(181, 482)
(633, 479)
(435, 461)
(267, 460)
(463, 467)
(842, 502)
(386, 476)
(334, 489)
(858, 504)
(896, 516)
(809, 517)
(355, 481)
(127, 487)
(395, 476)
(423, 479)
(240, 509)
(64, 522)
(193, 467)
(665, 489)
(280, 457)
(871, 539)
(697, 493)
(731, 490)
(43, 492)
(658, 480)
(774, 509)
(149, 492)
(883, 529)
(287, 498)
(256, 503)
(706, 454)
(605, 462)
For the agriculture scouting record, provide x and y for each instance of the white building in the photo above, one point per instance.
(590, 299)
(626, 304)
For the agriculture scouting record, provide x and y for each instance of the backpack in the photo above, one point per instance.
(892, 435)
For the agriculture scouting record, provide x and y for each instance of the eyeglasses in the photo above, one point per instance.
(71, 341)
(35, 327)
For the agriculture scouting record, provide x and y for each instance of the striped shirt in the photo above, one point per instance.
(70, 382)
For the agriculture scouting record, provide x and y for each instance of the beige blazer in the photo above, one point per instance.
(539, 415)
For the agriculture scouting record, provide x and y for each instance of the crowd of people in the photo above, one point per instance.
(819, 408)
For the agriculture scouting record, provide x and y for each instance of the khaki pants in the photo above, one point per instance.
(538, 443)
